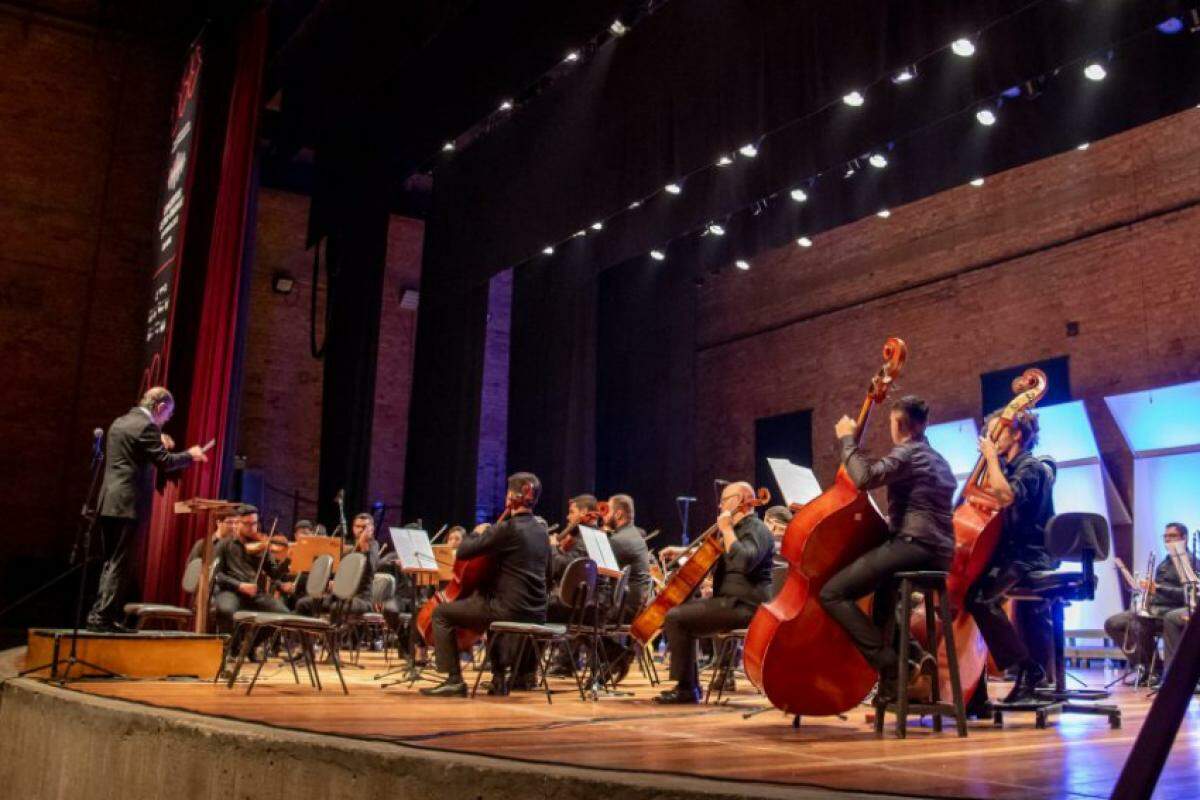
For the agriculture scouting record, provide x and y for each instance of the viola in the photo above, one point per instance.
(801, 659)
(469, 575)
(977, 526)
(694, 564)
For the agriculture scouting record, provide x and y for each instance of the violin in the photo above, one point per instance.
(270, 545)
(691, 568)
(592, 519)
(801, 659)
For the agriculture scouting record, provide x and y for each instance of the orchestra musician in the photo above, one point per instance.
(921, 488)
(741, 581)
(1170, 597)
(455, 535)
(1024, 486)
(363, 527)
(628, 544)
(226, 528)
(238, 570)
(519, 546)
(777, 519)
(135, 443)
(303, 527)
(567, 546)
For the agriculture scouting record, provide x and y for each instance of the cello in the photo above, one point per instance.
(977, 526)
(694, 564)
(795, 653)
(469, 575)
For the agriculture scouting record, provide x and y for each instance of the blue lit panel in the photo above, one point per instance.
(956, 441)
(1166, 489)
(1081, 488)
(1066, 434)
(1159, 419)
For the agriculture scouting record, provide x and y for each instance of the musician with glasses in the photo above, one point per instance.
(1170, 599)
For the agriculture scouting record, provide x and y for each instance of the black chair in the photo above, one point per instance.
(146, 613)
(1081, 538)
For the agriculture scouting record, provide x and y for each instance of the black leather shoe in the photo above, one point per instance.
(450, 688)
(1025, 689)
(524, 683)
(496, 687)
(680, 695)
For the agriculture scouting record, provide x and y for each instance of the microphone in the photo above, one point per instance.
(685, 499)
(340, 497)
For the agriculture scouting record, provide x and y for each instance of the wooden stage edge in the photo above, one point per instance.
(138, 736)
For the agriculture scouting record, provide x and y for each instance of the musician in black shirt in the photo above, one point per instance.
(567, 546)
(741, 581)
(365, 543)
(1024, 486)
(1168, 600)
(238, 579)
(628, 544)
(520, 548)
(920, 490)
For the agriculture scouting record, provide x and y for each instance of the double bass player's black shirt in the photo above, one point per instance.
(520, 546)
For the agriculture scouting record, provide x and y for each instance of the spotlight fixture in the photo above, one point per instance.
(963, 48)
(1084, 146)
(742, 264)
(658, 255)
(673, 188)
(547, 250)
(448, 147)
(282, 283)
(715, 229)
(878, 160)
(799, 195)
(883, 213)
(748, 150)
(905, 75)
(597, 226)
(635, 204)
(618, 28)
(724, 161)
(853, 99)
(804, 241)
(986, 117)
(579, 233)
(1095, 71)
(1170, 25)
(977, 182)
(506, 105)
(572, 56)
(849, 173)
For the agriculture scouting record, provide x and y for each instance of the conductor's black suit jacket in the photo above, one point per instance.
(134, 444)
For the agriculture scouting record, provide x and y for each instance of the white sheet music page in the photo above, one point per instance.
(798, 484)
(412, 548)
(599, 549)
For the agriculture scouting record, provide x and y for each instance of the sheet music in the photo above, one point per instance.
(797, 484)
(599, 549)
(413, 550)
(1183, 564)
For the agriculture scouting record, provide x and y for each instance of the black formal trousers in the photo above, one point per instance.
(475, 612)
(695, 619)
(1125, 627)
(116, 544)
(228, 603)
(874, 571)
(1031, 638)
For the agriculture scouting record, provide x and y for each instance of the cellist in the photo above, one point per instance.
(520, 546)
(1024, 486)
(920, 492)
(741, 581)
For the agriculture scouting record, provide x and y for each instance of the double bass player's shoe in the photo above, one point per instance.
(448, 688)
(680, 695)
(1025, 689)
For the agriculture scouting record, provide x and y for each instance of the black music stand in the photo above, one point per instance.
(415, 557)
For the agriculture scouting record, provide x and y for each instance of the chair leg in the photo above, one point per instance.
(337, 663)
(248, 634)
(269, 648)
(902, 679)
(579, 684)
(931, 641)
(311, 654)
(956, 691)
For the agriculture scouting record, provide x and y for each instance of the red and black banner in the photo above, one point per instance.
(172, 216)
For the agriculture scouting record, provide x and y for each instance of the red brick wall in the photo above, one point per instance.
(281, 402)
(84, 123)
(974, 279)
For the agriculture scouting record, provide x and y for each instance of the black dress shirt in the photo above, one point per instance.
(236, 566)
(1023, 538)
(1168, 587)
(521, 547)
(744, 572)
(920, 488)
(559, 560)
(629, 546)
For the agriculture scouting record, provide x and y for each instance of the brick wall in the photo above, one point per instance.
(281, 402)
(974, 279)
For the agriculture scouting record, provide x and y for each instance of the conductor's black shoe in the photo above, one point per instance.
(680, 695)
(106, 627)
(449, 688)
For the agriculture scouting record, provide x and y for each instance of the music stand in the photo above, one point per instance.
(417, 560)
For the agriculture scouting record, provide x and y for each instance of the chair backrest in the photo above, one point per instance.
(1077, 536)
(779, 575)
(383, 588)
(318, 575)
(577, 589)
(191, 575)
(349, 576)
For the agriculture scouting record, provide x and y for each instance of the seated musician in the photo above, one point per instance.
(741, 581)
(565, 547)
(365, 543)
(520, 548)
(628, 544)
(777, 519)
(226, 528)
(237, 577)
(303, 527)
(455, 535)
(1024, 486)
(920, 490)
(1170, 597)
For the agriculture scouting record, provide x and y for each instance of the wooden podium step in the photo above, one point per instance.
(145, 654)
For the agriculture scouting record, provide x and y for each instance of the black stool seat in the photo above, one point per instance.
(930, 575)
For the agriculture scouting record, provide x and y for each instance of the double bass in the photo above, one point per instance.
(469, 575)
(694, 564)
(977, 526)
(795, 653)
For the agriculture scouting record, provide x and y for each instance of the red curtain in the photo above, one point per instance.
(171, 535)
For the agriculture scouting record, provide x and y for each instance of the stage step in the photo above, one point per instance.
(144, 654)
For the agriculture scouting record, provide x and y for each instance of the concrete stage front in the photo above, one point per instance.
(191, 739)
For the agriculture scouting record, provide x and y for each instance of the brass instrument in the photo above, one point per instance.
(1142, 589)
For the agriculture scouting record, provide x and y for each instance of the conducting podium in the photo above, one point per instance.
(203, 507)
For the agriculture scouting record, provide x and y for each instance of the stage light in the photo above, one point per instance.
(715, 229)
(883, 213)
(905, 75)
(658, 255)
(506, 105)
(597, 226)
(635, 204)
(964, 48)
(1084, 146)
(282, 283)
(799, 195)
(877, 160)
(1095, 72)
(977, 182)
(986, 117)
(1170, 25)
(572, 56)
(547, 250)
(804, 241)
(724, 161)
(854, 99)
(748, 150)
(742, 264)
(618, 28)
(448, 147)
(849, 173)
(579, 233)
(673, 188)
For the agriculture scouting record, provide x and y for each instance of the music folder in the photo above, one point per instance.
(600, 551)
(413, 550)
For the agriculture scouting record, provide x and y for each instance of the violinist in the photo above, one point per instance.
(920, 490)
(567, 546)
(241, 562)
(455, 536)
(1024, 486)
(741, 581)
(520, 548)
(628, 544)
(365, 543)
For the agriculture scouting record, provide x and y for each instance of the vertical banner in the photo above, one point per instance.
(172, 216)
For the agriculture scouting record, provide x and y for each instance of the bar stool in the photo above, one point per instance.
(928, 583)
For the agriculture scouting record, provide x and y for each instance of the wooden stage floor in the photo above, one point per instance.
(1075, 757)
